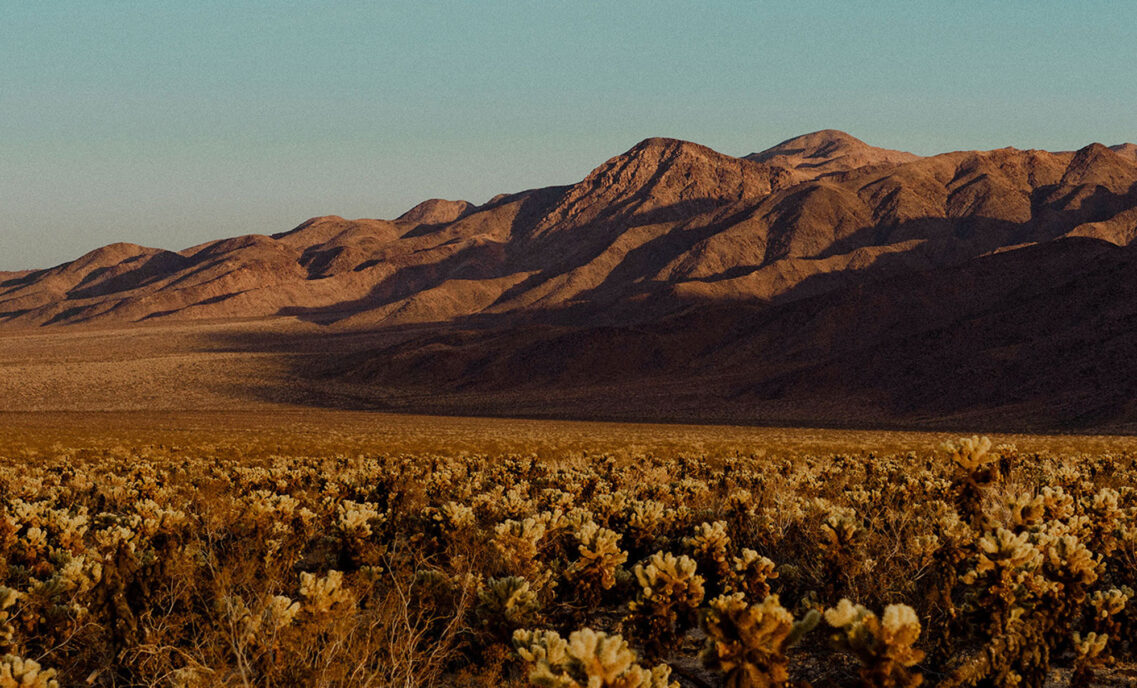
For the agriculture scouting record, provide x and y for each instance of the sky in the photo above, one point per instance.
(172, 123)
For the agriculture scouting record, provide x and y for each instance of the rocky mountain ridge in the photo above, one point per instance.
(769, 281)
(667, 220)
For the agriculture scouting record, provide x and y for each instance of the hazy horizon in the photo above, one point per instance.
(169, 125)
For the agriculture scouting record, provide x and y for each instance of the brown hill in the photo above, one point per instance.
(673, 264)
(829, 151)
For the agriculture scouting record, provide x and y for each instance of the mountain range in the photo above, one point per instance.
(821, 281)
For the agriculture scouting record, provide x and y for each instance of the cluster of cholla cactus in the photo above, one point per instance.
(711, 547)
(323, 594)
(977, 469)
(506, 604)
(750, 574)
(747, 643)
(8, 598)
(1091, 649)
(262, 624)
(17, 672)
(339, 568)
(670, 593)
(884, 645)
(843, 554)
(519, 544)
(357, 524)
(600, 560)
(588, 659)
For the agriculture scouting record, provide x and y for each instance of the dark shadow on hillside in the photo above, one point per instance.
(981, 346)
(148, 269)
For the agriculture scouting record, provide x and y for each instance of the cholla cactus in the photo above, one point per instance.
(977, 472)
(1059, 505)
(455, 516)
(506, 603)
(842, 530)
(710, 546)
(1090, 651)
(747, 643)
(589, 659)
(922, 549)
(1025, 511)
(1004, 549)
(357, 520)
(751, 574)
(259, 627)
(1004, 577)
(446, 524)
(1003, 552)
(970, 453)
(77, 576)
(16, 672)
(156, 519)
(1108, 604)
(278, 612)
(843, 540)
(69, 528)
(519, 543)
(1090, 647)
(1070, 562)
(646, 521)
(1107, 520)
(600, 559)
(670, 594)
(357, 524)
(884, 646)
(322, 594)
(8, 599)
(740, 509)
(34, 542)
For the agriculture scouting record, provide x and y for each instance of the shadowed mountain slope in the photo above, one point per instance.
(819, 271)
(1038, 338)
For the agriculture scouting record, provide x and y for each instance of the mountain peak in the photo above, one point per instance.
(1098, 165)
(436, 211)
(1095, 155)
(659, 173)
(828, 151)
(1126, 150)
(818, 144)
(661, 143)
(660, 150)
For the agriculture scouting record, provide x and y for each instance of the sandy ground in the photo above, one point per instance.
(255, 379)
(304, 431)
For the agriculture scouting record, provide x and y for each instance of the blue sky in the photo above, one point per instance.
(171, 123)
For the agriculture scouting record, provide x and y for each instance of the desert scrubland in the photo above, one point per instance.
(301, 547)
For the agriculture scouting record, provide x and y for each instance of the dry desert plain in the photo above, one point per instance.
(163, 526)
